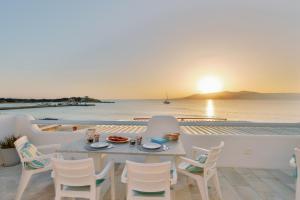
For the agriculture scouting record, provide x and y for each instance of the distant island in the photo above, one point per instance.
(247, 95)
(47, 103)
(85, 99)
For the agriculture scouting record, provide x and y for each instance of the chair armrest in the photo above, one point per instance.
(174, 175)
(124, 175)
(108, 167)
(192, 162)
(42, 157)
(198, 149)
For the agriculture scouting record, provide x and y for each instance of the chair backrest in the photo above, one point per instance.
(161, 125)
(74, 172)
(212, 158)
(149, 177)
(19, 144)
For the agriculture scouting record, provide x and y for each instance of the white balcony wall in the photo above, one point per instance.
(252, 151)
(7, 126)
(38, 137)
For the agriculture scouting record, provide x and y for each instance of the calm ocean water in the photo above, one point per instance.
(244, 110)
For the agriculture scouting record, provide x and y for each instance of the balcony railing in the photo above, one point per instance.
(188, 127)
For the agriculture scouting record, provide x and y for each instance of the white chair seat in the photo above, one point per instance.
(83, 188)
(149, 194)
(46, 162)
(183, 167)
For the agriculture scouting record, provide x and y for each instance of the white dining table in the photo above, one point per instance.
(174, 149)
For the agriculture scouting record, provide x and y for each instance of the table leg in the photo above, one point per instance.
(97, 161)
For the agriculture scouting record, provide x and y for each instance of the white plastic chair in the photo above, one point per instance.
(161, 125)
(297, 154)
(28, 172)
(77, 178)
(209, 169)
(149, 181)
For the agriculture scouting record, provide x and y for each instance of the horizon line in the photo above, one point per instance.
(178, 97)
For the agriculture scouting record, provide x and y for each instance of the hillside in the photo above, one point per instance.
(245, 95)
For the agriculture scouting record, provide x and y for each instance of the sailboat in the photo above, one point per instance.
(166, 101)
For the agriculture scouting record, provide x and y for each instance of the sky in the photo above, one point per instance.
(143, 49)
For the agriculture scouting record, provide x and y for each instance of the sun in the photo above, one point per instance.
(209, 84)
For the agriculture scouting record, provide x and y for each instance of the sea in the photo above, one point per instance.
(234, 110)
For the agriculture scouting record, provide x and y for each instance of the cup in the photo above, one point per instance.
(96, 137)
(90, 135)
(132, 142)
(139, 140)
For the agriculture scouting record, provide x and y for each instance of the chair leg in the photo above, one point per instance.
(112, 184)
(202, 185)
(173, 194)
(57, 190)
(216, 183)
(128, 193)
(94, 192)
(98, 193)
(25, 177)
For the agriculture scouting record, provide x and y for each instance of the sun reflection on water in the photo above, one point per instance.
(210, 108)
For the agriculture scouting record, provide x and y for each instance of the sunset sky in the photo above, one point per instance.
(143, 49)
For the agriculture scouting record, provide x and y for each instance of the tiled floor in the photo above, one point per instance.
(236, 184)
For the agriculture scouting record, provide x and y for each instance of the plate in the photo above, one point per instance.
(151, 145)
(99, 145)
(117, 139)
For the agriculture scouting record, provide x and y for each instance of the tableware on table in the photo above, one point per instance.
(165, 147)
(99, 145)
(159, 140)
(151, 145)
(132, 142)
(117, 139)
(139, 140)
(90, 140)
(96, 137)
(89, 148)
(74, 128)
(172, 136)
(161, 149)
(90, 135)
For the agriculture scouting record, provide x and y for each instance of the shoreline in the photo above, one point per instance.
(42, 106)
